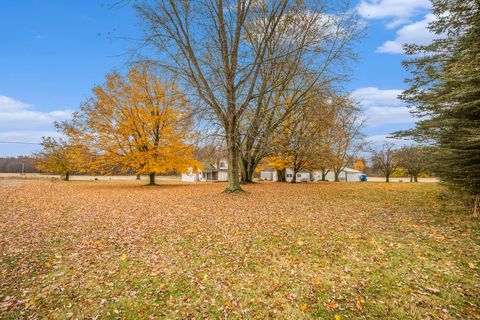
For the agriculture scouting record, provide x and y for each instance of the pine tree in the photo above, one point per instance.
(445, 93)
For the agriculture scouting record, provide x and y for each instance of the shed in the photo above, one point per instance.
(269, 174)
(346, 175)
(302, 175)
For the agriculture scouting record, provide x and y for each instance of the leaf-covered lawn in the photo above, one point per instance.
(330, 251)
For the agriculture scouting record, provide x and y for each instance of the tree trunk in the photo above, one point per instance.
(387, 178)
(337, 174)
(294, 178)
(152, 179)
(415, 178)
(138, 177)
(324, 175)
(411, 178)
(233, 165)
(248, 168)
(67, 176)
(281, 175)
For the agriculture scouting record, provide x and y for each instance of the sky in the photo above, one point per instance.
(52, 52)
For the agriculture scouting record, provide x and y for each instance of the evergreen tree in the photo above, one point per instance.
(445, 93)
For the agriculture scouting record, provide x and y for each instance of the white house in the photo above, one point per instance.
(210, 172)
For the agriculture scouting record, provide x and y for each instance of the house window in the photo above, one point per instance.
(289, 175)
(299, 175)
(222, 164)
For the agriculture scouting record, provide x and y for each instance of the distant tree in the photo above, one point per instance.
(359, 164)
(16, 164)
(280, 166)
(324, 135)
(294, 145)
(444, 93)
(385, 159)
(139, 122)
(347, 136)
(414, 159)
(58, 156)
(210, 153)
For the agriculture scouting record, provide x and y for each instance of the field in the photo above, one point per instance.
(99, 249)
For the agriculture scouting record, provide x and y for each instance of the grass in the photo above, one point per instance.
(331, 251)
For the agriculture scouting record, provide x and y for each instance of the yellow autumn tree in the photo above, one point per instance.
(59, 156)
(359, 164)
(139, 122)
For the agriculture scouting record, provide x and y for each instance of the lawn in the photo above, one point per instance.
(325, 251)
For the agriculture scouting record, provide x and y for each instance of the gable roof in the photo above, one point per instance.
(303, 171)
(209, 167)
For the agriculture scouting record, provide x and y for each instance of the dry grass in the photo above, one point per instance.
(120, 250)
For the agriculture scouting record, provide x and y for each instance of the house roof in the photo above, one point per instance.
(350, 170)
(208, 167)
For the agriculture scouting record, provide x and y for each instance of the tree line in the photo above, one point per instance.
(25, 164)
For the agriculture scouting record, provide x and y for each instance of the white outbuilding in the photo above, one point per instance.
(346, 175)
(269, 174)
(301, 176)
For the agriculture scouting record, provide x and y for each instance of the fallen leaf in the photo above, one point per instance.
(432, 290)
(332, 305)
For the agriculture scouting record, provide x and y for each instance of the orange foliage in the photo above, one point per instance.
(359, 164)
(138, 121)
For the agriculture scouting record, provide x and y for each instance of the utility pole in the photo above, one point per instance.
(23, 168)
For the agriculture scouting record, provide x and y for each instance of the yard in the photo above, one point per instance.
(99, 249)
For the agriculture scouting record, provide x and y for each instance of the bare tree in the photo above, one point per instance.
(347, 138)
(414, 159)
(386, 159)
(307, 54)
(233, 55)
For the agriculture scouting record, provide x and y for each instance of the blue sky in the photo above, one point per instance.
(53, 51)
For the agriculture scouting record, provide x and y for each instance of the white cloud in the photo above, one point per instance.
(372, 96)
(416, 32)
(382, 107)
(377, 116)
(27, 136)
(10, 104)
(18, 115)
(379, 139)
(396, 9)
